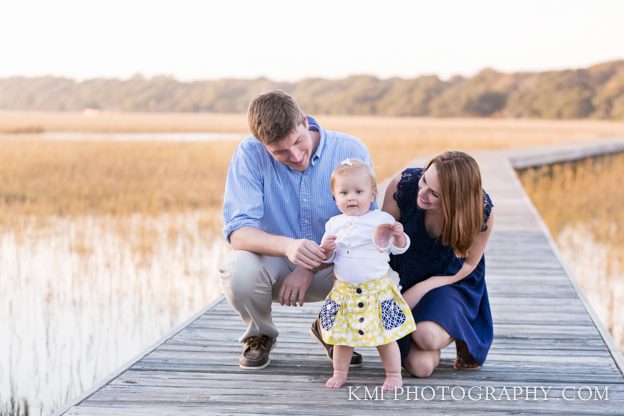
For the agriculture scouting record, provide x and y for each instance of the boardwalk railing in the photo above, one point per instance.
(551, 355)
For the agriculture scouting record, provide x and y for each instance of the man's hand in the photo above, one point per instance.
(329, 245)
(305, 253)
(399, 235)
(294, 287)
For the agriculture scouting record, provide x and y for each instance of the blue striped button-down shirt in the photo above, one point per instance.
(262, 193)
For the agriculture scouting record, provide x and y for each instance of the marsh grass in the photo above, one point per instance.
(582, 193)
(105, 246)
(69, 179)
(83, 295)
(15, 407)
(394, 142)
(583, 206)
(109, 122)
(74, 178)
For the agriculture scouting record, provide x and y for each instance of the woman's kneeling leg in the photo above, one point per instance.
(421, 363)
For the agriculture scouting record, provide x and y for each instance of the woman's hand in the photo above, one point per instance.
(414, 294)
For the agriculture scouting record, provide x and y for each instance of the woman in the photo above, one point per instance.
(449, 219)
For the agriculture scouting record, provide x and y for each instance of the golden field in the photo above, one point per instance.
(581, 193)
(69, 178)
(74, 178)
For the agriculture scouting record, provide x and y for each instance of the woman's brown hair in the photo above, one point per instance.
(462, 199)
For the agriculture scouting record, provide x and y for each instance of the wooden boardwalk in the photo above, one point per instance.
(546, 337)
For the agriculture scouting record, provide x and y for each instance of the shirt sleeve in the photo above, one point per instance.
(329, 230)
(400, 250)
(243, 204)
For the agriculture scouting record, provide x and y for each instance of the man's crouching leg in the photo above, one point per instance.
(247, 285)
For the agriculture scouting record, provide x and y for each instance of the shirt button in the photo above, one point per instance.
(361, 304)
(361, 332)
(361, 319)
(358, 290)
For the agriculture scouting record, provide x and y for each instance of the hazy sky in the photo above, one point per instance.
(290, 40)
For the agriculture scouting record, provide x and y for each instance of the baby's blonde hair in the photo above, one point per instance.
(350, 166)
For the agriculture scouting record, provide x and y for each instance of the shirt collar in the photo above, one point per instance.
(313, 125)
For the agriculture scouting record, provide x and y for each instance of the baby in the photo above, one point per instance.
(364, 308)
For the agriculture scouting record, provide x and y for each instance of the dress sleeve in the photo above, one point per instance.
(407, 188)
(487, 209)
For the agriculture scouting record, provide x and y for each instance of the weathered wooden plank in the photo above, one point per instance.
(549, 328)
(505, 317)
(314, 410)
(536, 343)
(276, 399)
(299, 358)
(447, 376)
(156, 387)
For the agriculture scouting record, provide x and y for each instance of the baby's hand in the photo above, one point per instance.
(329, 245)
(399, 235)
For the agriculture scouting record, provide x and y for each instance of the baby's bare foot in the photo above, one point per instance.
(392, 382)
(337, 381)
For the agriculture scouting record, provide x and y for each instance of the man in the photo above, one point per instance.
(277, 200)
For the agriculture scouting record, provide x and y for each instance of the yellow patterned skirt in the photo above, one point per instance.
(365, 315)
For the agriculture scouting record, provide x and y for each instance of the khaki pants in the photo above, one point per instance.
(251, 283)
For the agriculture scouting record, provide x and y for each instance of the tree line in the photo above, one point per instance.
(593, 92)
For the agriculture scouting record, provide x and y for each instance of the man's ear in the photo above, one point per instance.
(305, 120)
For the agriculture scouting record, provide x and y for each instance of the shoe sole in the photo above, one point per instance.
(318, 341)
(260, 367)
(461, 367)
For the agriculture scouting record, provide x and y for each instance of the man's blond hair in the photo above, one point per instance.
(274, 115)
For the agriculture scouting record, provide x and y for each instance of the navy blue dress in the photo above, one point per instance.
(462, 308)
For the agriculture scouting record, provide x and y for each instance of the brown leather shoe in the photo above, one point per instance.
(256, 349)
(315, 331)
